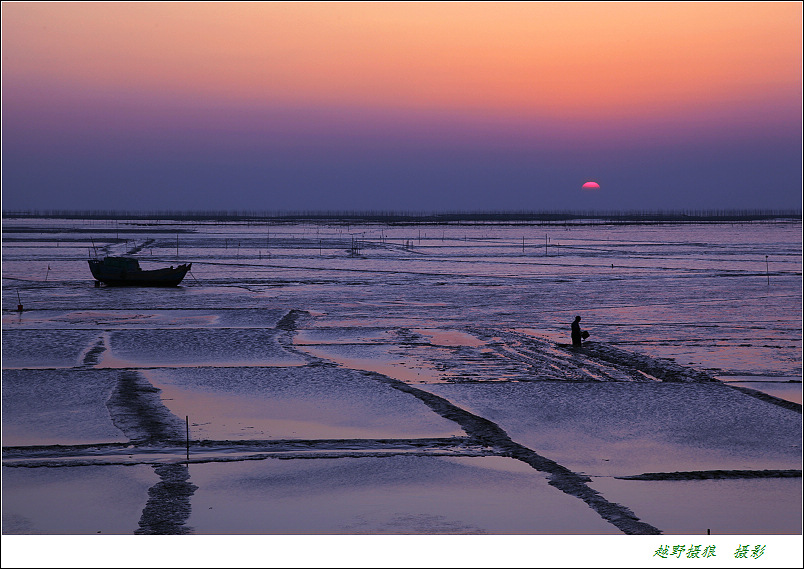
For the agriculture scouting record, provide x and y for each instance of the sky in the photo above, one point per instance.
(415, 107)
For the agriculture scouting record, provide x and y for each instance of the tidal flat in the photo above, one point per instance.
(325, 377)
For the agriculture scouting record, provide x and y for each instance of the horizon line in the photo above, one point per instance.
(696, 214)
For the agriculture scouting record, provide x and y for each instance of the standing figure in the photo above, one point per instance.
(576, 331)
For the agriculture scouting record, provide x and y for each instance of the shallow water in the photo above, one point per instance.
(620, 429)
(720, 506)
(294, 403)
(395, 495)
(75, 500)
(281, 334)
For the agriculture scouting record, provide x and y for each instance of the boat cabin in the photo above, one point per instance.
(122, 263)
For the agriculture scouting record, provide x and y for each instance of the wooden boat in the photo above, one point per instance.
(126, 271)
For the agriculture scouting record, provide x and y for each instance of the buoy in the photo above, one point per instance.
(19, 308)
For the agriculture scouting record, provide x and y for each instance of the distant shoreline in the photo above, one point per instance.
(538, 217)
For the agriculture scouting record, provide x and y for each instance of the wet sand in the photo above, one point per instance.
(385, 410)
(580, 433)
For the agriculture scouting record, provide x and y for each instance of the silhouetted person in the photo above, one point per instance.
(576, 331)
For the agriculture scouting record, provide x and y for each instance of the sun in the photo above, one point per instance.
(591, 186)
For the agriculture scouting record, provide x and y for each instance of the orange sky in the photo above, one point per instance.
(571, 59)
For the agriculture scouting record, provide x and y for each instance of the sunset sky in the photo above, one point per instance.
(401, 106)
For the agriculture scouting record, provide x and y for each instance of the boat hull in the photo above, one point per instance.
(116, 276)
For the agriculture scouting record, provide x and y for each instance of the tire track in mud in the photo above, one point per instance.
(593, 361)
(92, 356)
(137, 248)
(492, 435)
(767, 397)
(662, 369)
(288, 324)
(168, 506)
(209, 451)
(136, 409)
(610, 364)
(714, 475)
(639, 367)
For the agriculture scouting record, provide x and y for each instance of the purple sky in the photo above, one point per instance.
(72, 141)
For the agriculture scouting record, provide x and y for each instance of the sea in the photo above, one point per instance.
(725, 297)
(414, 360)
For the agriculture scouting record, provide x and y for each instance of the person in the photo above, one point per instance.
(576, 331)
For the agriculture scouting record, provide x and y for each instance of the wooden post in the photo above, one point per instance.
(187, 424)
(767, 270)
